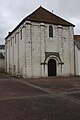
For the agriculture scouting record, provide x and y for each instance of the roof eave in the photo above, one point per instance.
(34, 21)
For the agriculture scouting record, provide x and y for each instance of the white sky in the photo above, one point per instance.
(13, 11)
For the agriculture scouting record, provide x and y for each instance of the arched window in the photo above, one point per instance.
(50, 31)
(21, 34)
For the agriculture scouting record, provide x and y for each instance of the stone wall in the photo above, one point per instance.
(26, 56)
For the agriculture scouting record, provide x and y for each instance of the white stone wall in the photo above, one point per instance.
(52, 42)
(77, 60)
(71, 43)
(62, 42)
(2, 65)
(26, 56)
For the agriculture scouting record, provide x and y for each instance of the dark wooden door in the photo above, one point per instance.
(52, 67)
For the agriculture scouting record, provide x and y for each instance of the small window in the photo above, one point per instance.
(21, 34)
(50, 31)
(15, 38)
(11, 42)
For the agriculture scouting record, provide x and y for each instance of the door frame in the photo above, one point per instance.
(52, 68)
(58, 66)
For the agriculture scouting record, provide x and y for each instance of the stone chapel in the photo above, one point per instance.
(41, 45)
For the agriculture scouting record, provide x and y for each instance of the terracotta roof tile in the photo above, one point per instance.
(77, 37)
(77, 41)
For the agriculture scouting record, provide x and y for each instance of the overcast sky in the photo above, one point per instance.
(13, 11)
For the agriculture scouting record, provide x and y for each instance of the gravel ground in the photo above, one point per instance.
(56, 98)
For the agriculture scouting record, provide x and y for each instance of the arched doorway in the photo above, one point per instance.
(51, 67)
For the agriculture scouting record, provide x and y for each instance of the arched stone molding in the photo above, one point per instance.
(52, 57)
(58, 65)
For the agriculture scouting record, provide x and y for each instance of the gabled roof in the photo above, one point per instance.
(45, 16)
(77, 41)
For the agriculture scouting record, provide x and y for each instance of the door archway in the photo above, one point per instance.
(52, 67)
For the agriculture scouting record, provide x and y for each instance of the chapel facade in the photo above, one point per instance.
(41, 45)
